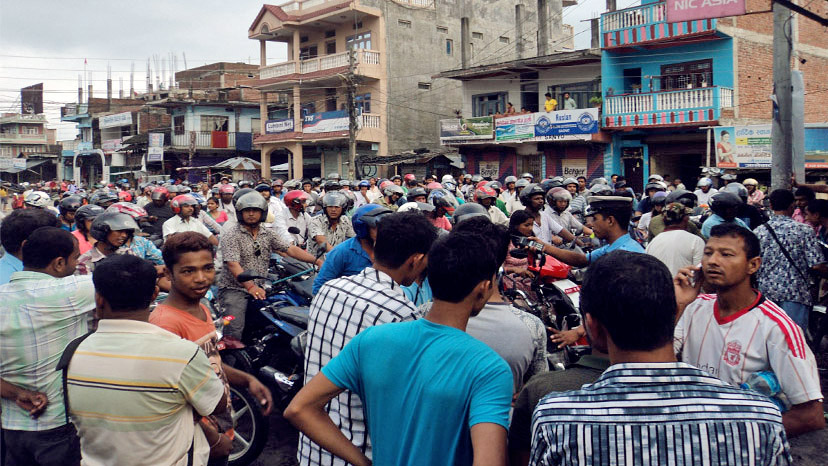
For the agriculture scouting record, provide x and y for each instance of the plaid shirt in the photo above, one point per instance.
(343, 308)
(778, 280)
(658, 413)
(39, 316)
(87, 260)
(320, 225)
(238, 245)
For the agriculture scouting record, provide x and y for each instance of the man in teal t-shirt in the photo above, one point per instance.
(432, 393)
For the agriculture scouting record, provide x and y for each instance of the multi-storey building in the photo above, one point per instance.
(25, 143)
(665, 83)
(391, 49)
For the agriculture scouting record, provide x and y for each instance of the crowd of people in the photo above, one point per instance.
(696, 306)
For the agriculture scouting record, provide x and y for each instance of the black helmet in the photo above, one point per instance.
(721, 203)
(528, 192)
(249, 200)
(414, 193)
(262, 187)
(334, 176)
(334, 199)
(69, 204)
(736, 188)
(241, 192)
(332, 185)
(600, 190)
(87, 212)
(467, 211)
(556, 182)
(103, 197)
(682, 196)
(111, 221)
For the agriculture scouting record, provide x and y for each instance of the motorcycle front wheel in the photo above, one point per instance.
(252, 428)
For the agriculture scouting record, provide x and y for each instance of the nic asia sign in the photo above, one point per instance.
(686, 10)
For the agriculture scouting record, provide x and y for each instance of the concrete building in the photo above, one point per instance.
(664, 82)
(26, 143)
(398, 46)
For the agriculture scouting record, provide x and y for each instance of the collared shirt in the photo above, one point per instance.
(703, 198)
(511, 200)
(623, 243)
(9, 264)
(348, 258)
(565, 219)
(321, 226)
(179, 224)
(343, 308)
(755, 198)
(301, 223)
(777, 277)
(238, 245)
(87, 260)
(497, 216)
(547, 228)
(145, 249)
(39, 316)
(716, 219)
(658, 413)
(132, 390)
(83, 243)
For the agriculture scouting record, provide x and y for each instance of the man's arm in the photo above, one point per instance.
(573, 258)
(32, 402)
(213, 240)
(489, 444)
(307, 413)
(242, 379)
(803, 418)
(300, 254)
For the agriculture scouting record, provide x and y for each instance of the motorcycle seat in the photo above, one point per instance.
(294, 315)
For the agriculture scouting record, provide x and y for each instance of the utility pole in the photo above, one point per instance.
(782, 129)
(352, 116)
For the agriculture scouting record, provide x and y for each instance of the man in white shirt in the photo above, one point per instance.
(705, 191)
(276, 213)
(544, 228)
(184, 206)
(297, 217)
(678, 248)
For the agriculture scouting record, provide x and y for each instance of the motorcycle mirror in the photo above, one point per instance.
(519, 253)
(247, 276)
(294, 231)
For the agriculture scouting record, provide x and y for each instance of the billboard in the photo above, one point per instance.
(155, 147)
(816, 147)
(466, 129)
(552, 125)
(31, 99)
(325, 122)
(743, 146)
(687, 10)
(515, 127)
(118, 119)
(282, 125)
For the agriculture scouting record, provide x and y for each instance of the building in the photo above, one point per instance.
(25, 143)
(389, 52)
(664, 84)
(565, 142)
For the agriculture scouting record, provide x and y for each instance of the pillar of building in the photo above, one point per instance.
(296, 41)
(297, 161)
(262, 52)
(265, 171)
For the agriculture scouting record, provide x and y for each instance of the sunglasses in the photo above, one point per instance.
(257, 249)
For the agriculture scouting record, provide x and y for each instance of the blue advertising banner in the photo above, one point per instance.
(565, 122)
(325, 122)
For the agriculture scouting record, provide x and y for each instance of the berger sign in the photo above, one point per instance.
(686, 10)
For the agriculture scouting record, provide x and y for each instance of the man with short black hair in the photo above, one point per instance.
(133, 388)
(432, 393)
(738, 332)
(14, 230)
(42, 309)
(345, 306)
(646, 404)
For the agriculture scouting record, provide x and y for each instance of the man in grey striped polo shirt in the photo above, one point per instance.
(646, 408)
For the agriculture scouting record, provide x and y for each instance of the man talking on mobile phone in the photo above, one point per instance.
(737, 333)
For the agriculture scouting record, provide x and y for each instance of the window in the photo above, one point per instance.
(306, 53)
(363, 103)
(687, 75)
(442, 29)
(504, 39)
(449, 46)
(329, 34)
(477, 35)
(359, 41)
(579, 92)
(178, 124)
(330, 99)
(214, 123)
(303, 39)
(256, 125)
(404, 23)
(424, 86)
(488, 104)
(330, 48)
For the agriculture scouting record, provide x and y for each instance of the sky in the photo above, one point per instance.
(48, 40)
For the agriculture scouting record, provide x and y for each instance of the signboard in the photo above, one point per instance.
(465, 129)
(743, 146)
(573, 168)
(119, 119)
(155, 147)
(514, 127)
(19, 164)
(85, 145)
(489, 169)
(816, 147)
(283, 125)
(686, 10)
(325, 122)
(111, 145)
(566, 122)
(31, 99)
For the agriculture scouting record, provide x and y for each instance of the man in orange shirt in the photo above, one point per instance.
(189, 260)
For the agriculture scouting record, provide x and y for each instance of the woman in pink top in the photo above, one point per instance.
(219, 216)
(83, 221)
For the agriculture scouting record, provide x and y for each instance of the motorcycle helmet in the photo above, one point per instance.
(331, 185)
(442, 198)
(127, 208)
(750, 182)
(655, 178)
(367, 217)
(528, 176)
(38, 200)
(484, 192)
(660, 198)
(364, 184)
(657, 185)
(558, 194)
(495, 185)
(202, 201)
(598, 181)
(520, 184)
(250, 200)
(600, 190)
(446, 178)
(87, 212)
(570, 181)
(704, 182)
(242, 192)
(334, 199)
(182, 200)
(433, 185)
(449, 185)
(334, 177)
(510, 179)
(724, 204)
(159, 193)
(296, 199)
(683, 196)
(476, 179)
(738, 189)
(226, 189)
(111, 221)
(351, 200)
(69, 204)
(528, 192)
(467, 211)
(409, 177)
(414, 193)
(392, 189)
(261, 187)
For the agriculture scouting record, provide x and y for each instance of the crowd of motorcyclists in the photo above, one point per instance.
(205, 240)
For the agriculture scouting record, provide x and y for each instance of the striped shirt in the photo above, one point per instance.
(132, 390)
(760, 337)
(658, 414)
(343, 308)
(39, 316)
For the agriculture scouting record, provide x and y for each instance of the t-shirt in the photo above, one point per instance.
(758, 338)
(714, 220)
(424, 386)
(178, 225)
(163, 214)
(504, 332)
(677, 249)
(623, 243)
(83, 244)
(550, 105)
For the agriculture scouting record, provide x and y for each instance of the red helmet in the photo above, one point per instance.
(125, 196)
(182, 200)
(434, 185)
(484, 192)
(409, 177)
(385, 184)
(296, 197)
(159, 193)
(128, 208)
(226, 189)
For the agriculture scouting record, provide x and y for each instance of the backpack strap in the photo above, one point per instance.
(63, 366)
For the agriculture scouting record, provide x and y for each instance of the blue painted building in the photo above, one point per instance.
(661, 83)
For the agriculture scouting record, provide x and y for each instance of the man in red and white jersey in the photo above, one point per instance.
(736, 332)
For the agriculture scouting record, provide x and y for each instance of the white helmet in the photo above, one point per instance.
(447, 178)
(38, 200)
(704, 182)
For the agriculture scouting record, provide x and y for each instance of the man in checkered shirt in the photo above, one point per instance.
(346, 306)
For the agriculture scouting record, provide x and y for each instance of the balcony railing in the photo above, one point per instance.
(646, 23)
(313, 65)
(23, 118)
(370, 120)
(24, 138)
(296, 5)
(665, 108)
(205, 140)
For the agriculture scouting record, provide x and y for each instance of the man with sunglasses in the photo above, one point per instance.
(247, 247)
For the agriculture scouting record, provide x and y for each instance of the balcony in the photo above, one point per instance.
(646, 24)
(74, 112)
(204, 140)
(22, 138)
(367, 61)
(23, 118)
(667, 108)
